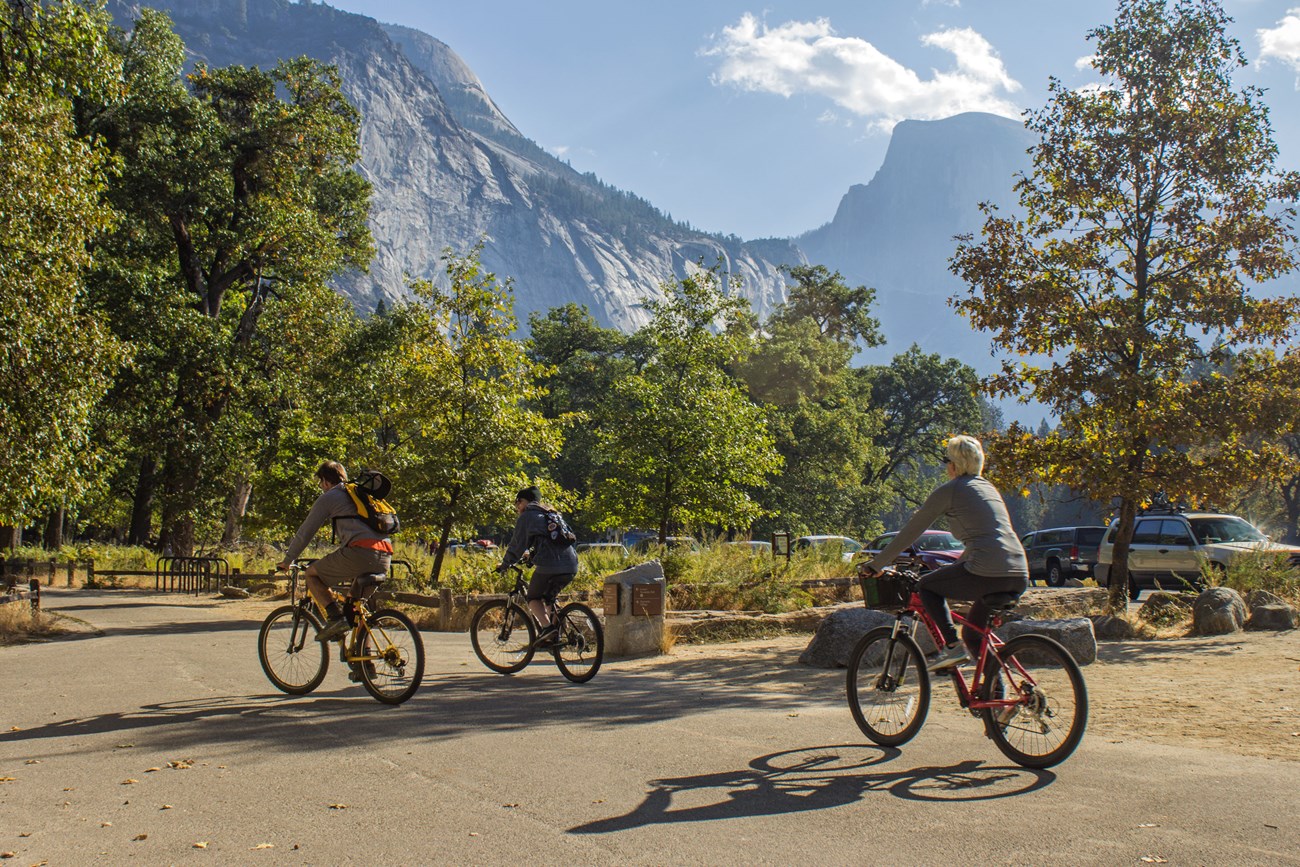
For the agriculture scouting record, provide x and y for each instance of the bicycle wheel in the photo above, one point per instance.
(888, 687)
(581, 646)
(502, 634)
(1048, 723)
(294, 661)
(395, 673)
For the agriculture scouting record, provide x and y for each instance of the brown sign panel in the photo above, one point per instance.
(647, 600)
(612, 597)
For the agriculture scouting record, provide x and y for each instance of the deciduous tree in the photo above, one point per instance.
(1153, 207)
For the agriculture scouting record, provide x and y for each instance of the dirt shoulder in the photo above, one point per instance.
(1239, 694)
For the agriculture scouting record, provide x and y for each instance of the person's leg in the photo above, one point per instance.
(936, 588)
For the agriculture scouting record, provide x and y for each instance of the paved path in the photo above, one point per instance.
(750, 761)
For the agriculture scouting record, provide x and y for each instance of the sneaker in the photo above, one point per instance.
(953, 654)
(547, 637)
(334, 629)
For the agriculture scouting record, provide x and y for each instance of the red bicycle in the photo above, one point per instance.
(1029, 691)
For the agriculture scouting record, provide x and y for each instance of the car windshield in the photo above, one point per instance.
(1226, 529)
(938, 542)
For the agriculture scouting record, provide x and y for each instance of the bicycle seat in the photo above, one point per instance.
(1001, 601)
(364, 585)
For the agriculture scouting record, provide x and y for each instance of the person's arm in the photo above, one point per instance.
(934, 506)
(316, 518)
(518, 541)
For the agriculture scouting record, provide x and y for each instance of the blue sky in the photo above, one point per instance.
(755, 119)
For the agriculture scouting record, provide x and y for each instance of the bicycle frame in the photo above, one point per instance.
(356, 612)
(989, 645)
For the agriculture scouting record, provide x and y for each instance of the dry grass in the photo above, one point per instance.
(19, 622)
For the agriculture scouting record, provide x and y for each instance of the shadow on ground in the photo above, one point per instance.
(816, 778)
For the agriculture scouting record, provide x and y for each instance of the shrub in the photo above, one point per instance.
(1257, 570)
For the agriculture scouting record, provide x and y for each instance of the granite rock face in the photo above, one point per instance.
(449, 170)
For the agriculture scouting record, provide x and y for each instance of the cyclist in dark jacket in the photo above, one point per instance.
(555, 563)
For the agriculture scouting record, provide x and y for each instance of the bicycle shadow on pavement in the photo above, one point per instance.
(817, 778)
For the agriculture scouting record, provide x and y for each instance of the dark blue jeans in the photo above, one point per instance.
(955, 582)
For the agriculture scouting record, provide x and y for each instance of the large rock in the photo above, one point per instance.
(1263, 597)
(1075, 635)
(1108, 627)
(839, 633)
(1218, 611)
(1164, 608)
(1273, 617)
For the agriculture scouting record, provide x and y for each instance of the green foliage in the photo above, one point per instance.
(1149, 213)
(57, 358)
(680, 442)
(1257, 570)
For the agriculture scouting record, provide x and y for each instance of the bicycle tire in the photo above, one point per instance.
(502, 634)
(397, 672)
(293, 660)
(888, 687)
(1049, 724)
(582, 643)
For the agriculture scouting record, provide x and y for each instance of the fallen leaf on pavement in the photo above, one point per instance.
(792, 714)
(264, 846)
(8, 854)
(200, 845)
(473, 833)
(1148, 825)
(1153, 859)
(151, 770)
(165, 807)
(32, 762)
(8, 779)
(129, 781)
(140, 837)
(14, 729)
(181, 764)
(25, 834)
(510, 805)
(123, 746)
(338, 806)
(105, 824)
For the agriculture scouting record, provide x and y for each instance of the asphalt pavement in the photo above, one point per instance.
(159, 740)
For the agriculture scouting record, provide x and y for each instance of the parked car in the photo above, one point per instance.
(1062, 552)
(672, 543)
(1169, 548)
(631, 537)
(615, 548)
(932, 549)
(752, 547)
(846, 546)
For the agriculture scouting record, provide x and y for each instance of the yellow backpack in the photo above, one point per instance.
(368, 494)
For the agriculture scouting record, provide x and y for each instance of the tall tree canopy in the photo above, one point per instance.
(680, 441)
(1152, 208)
(57, 358)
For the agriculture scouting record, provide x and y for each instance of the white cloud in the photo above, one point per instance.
(1084, 63)
(1283, 41)
(808, 57)
(953, 3)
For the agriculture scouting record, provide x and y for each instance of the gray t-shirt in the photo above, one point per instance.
(978, 517)
(334, 503)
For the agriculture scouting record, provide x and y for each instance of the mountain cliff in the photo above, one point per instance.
(448, 169)
(896, 232)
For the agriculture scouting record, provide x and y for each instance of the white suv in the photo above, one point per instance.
(1169, 547)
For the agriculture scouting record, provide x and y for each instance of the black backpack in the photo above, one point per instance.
(557, 531)
(369, 493)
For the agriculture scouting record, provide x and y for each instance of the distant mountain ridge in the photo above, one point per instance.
(448, 169)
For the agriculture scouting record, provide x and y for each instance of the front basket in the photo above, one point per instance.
(887, 591)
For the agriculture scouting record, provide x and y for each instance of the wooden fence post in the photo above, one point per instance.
(52, 567)
(90, 572)
(72, 566)
(444, 609)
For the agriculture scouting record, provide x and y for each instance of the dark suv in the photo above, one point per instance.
(1062, 552)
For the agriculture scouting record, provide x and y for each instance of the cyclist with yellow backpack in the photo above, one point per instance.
(362, 523)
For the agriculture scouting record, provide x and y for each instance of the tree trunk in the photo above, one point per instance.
(54, 529)
(142, 503)
(10, 537)
(1118, 600)
(235, 513)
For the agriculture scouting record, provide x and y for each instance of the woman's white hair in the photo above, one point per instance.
(966, 454)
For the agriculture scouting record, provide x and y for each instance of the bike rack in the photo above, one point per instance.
(190, 574)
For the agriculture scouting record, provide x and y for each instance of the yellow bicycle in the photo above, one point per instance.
(383, 646)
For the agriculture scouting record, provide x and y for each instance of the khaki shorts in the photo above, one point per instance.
(338, 568)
